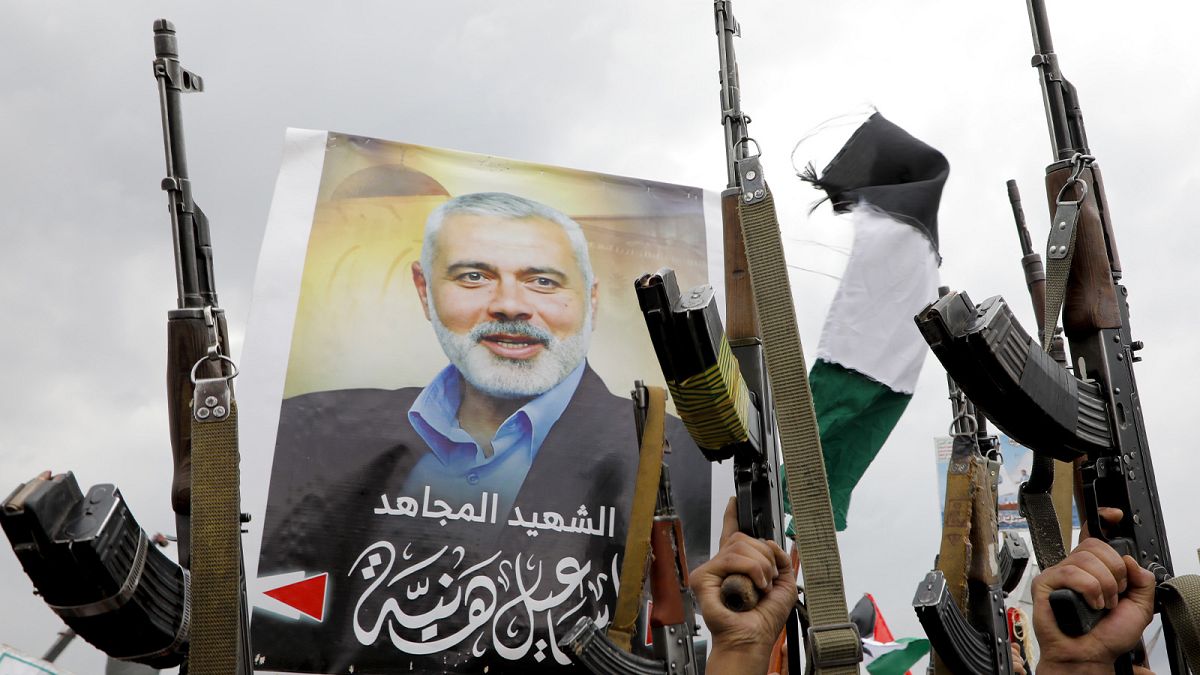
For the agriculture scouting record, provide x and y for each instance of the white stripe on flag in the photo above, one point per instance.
(891, 275)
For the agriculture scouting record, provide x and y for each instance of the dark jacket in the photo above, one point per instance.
(438, 594)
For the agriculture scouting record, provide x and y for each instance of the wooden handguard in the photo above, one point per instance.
(664, 581)
(1090, 303)
(187, 342)
(741, 315)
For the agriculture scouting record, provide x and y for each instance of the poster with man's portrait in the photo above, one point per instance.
(455, 454)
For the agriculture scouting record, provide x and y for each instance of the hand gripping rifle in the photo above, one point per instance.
(1094, 411)
(723, 380)
(960, 604)
(654, 547)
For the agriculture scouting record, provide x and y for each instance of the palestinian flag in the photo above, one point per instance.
(883, 654)
(871, 352)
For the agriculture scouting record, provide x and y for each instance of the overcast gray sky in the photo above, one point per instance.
(620, 87)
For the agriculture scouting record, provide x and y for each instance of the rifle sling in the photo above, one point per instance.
(963, 480)
(966, 476)
(833, 643)
(213, 643)
(637, 540)
(1058, 268)
(1180, 599)
(1036, 500)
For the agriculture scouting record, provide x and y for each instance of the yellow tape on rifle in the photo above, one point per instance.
(715, 404)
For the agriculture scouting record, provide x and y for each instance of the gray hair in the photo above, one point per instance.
(506, 205)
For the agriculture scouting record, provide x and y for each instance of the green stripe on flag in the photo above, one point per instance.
(898, 661)
(855, 414)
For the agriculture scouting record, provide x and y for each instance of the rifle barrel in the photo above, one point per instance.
(1055, 90)
(189, 227)
(733, 119)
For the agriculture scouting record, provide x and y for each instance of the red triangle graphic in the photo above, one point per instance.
(307, 596)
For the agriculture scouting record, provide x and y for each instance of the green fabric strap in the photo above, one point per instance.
(1044, 528)
(1181, 604)
(833, 642)
(213, 643)
(1058, 269)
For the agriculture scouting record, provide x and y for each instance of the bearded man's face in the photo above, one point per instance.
(508, 302)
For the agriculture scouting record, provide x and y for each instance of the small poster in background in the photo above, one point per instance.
(1015, 469)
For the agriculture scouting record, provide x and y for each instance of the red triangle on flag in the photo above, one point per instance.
(882, 632)
(307, 595)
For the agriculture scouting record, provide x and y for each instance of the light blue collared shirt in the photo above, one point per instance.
(456, 468)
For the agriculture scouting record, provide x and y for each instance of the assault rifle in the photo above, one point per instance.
(86, 554)
(719, 384)
(722, 379)
(960, 604)
(1094, 411)
(202, 411)
(672, 618)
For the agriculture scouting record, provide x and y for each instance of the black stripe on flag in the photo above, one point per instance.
(886, 167)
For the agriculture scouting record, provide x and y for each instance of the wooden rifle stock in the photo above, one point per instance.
(188, 338)
(741, 314)
(1090, 303)
(666, 545)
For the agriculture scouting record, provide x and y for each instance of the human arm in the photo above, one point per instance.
(1105, 580)
(742, 641)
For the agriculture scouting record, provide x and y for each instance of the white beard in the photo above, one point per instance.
(512, 378)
